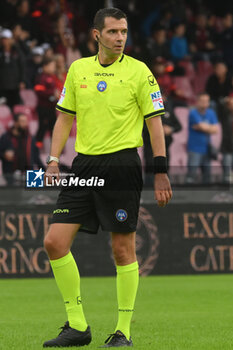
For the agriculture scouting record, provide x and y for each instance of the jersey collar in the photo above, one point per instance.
(120, 59)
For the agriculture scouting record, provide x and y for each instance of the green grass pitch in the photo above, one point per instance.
(171, 312)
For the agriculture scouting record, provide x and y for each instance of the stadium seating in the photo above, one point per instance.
(33, 123)
(178, 148)
(189, 69)
(23, 109)
(6, 117)
(6, 120)
(216, 142)
(217, 138)
(29, 98)
(2, 128)
(183, 83)
(182, 114)
(33, 127)
(203, 70)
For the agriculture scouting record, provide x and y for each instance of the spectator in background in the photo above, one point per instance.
(48, 51)
(12, 69)
(18, 151)
(226, 40)
(163, 76)
(47, 94)
(157, 44)
(166, 17)
(171, 125)
(60, 73)
(67, 47)
(25, 20)
(23, 15)
(89, 46)
(33, 66)
(226, 120)
(201, 38)
(166, 73)
(47, 22)
(64, 38)
(202, 123)
(8, 13)
(214, 23)
(218, 84)
(178, 43)
(60, 35)
(20, 38)
(72, 52)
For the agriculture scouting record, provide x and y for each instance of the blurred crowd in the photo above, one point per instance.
(187, 45)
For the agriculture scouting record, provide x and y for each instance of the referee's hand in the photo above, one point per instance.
(51, 173)
(162, 188)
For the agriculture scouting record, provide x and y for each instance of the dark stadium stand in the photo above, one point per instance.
(47, 30)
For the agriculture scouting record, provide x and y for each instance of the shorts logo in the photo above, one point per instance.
(35, 178)
(157, 100)
(62, 96)
(79, 301)
(121, 215)
(151, 80)
(101, 86)
(61, 211)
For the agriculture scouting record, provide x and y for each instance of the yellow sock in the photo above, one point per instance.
(127, 285)
(67, 276)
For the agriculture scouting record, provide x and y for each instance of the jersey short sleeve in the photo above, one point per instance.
(66, 102)
(194, 118)
(148, 95)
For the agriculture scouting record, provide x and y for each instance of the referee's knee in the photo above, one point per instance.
(54, 248)
(48, 243)
(123, 256)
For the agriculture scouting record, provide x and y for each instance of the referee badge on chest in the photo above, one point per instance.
(101, 86)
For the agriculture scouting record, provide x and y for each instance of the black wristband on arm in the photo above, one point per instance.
(160, 165)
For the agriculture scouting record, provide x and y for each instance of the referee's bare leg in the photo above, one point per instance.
(57, 243)
(124, 251)
(59, 239)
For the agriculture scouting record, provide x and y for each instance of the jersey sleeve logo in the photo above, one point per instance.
(62, 96)
(151, 80)
(157, 100)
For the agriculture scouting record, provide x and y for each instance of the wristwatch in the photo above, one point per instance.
(51, 158)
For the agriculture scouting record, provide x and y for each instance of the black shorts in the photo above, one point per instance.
(113, 206)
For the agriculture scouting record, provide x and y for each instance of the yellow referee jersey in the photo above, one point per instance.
(110, 103)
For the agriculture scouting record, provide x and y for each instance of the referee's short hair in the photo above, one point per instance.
(100, 16)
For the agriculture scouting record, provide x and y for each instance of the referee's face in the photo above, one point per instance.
(113, 36)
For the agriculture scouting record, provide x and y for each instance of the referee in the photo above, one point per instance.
(111, 95)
